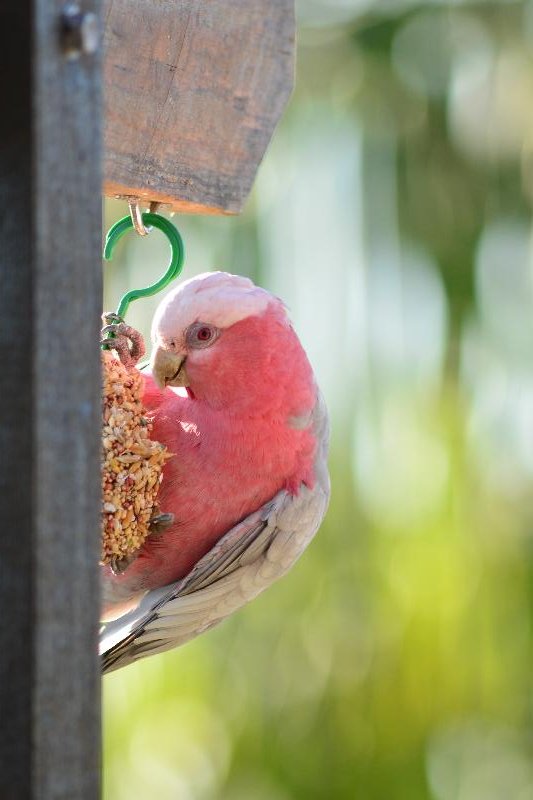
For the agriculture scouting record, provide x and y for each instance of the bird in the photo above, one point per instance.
(231, 393)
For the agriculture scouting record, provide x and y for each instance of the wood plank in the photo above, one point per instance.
(50, 228)
(193, 91)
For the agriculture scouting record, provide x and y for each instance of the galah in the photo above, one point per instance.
(232, 394)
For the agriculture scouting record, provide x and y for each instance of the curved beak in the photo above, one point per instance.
(168, 368)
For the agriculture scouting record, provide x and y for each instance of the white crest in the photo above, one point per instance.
(218, 298)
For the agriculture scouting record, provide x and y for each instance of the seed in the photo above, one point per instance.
(131, 463)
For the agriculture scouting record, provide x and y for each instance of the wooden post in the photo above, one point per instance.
(50, 302)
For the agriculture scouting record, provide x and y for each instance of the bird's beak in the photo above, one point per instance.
(168, 368)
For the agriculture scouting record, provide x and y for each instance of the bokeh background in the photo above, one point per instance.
(393, 214)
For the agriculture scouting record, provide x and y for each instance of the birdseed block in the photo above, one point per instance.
(131, 462)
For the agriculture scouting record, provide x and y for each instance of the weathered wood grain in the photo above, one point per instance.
(50, 264)
(193, 91)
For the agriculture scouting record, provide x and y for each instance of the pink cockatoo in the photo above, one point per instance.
(248, 485)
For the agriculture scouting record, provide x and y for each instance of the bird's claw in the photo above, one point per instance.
(160, 523)
(119, 565)
(111, 318)
(125, 340)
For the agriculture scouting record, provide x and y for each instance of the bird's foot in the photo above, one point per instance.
(119, 565)
(160, 523)
(125, 340)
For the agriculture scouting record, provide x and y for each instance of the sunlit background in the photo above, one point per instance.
(393, 214)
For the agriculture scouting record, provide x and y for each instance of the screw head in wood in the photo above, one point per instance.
(80, 34)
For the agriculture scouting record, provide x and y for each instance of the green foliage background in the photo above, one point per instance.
(393, 214)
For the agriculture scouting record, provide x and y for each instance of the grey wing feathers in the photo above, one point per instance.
(242, 564)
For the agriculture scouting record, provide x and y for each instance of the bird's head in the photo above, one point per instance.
(229, 342)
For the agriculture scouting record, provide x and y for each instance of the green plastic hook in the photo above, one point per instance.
(117, 231)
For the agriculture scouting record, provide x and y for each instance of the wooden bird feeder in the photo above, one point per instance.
(192, 92)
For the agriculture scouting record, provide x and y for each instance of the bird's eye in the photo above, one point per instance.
(204, 334)
(200, 334)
